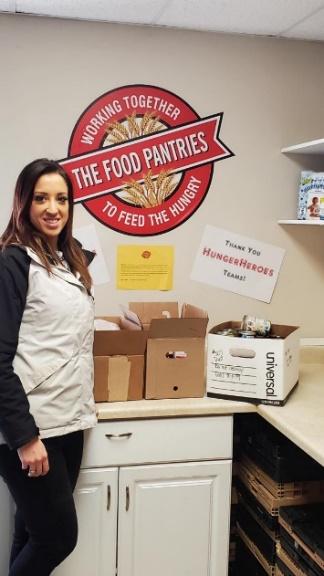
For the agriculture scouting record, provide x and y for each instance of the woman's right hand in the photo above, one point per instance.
(33, 456)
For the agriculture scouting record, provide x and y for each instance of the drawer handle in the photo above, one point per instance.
(119, 436)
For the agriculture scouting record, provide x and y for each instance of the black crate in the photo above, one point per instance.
(248, 499)
(280, 458)
(256, 534)
(307, 524)
(298, 555)
(283, 568)
(246, 563)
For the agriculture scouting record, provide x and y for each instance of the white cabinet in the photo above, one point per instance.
(163, 505)
(96, 498)
(174, 519)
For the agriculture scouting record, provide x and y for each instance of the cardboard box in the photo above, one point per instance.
(260, 370)
(175, 356)
(118, 378)
(146, 311)
(119, 363)
(119, 342)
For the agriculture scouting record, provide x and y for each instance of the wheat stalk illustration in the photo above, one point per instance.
(153, 191)
(133, 127)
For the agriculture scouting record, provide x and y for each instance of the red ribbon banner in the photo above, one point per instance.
(109, 169)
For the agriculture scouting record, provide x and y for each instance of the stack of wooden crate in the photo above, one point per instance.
(273, 476)
(301, 546)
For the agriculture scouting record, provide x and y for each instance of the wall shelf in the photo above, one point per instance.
(311, 147)
(302, 222)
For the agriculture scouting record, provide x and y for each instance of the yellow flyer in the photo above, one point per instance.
(144, 267)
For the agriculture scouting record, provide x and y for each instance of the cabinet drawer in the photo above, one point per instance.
(159, 440)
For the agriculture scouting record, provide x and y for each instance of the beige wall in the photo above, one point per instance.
(271, 92)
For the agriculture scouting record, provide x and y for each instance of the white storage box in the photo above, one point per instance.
(260, 370)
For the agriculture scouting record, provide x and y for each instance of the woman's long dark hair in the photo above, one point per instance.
(20, 230)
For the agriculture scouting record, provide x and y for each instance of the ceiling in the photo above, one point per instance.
(302, 19)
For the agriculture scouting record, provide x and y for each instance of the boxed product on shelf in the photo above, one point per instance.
(261, 370)
(311, 192)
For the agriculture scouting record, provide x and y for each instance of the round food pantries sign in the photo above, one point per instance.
(141, 159)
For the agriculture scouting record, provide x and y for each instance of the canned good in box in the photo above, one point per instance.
(247, 333)
(228, 332)
(260, 326)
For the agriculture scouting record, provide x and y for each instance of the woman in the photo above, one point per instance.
(46, 368)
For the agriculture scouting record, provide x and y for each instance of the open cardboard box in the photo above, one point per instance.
(119, 355)
(175, 356)
(146, 311)
(118, 378)
(261, 370)
(118, 363)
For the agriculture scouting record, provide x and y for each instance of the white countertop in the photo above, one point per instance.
(301, 419)
(167, 408)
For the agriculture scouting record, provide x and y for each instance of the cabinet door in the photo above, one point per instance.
(96, 502)
(174, 519)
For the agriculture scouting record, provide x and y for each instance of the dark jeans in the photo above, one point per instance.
(45, 524)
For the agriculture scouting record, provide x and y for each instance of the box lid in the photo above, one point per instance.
(178, 328)
(189, 311)
(114, 342)
(148, 310)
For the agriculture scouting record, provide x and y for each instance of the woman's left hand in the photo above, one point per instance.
(33, 456)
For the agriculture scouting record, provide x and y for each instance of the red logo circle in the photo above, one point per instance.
(141, 159)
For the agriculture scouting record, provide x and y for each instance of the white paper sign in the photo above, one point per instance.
(88, 237)
(237, 263)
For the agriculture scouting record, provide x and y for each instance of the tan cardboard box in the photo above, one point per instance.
(119, 364)
(261, 370)
(146, 311)
(118, 378)
(175, 356)
(118, 342)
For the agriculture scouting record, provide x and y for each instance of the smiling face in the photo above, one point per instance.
(49, 210)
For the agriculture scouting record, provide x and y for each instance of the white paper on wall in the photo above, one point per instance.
(88, 237)
(237, 263)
